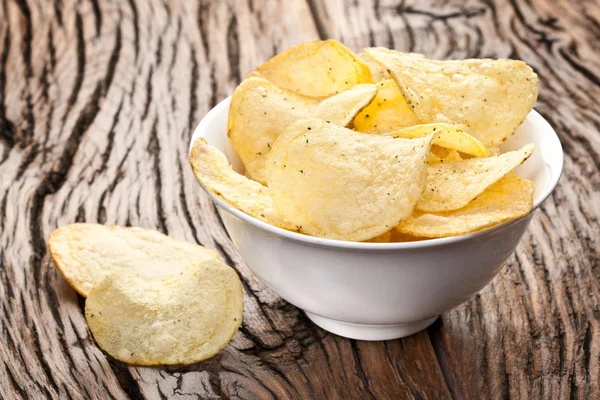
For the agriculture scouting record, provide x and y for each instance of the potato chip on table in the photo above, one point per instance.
(85, 253)
(260, 112)
(490, 98)
(317, 69)
(179, 320)
(509, 198)
(336, 183)
(151, 299)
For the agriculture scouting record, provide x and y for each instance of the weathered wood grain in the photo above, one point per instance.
(97, 103)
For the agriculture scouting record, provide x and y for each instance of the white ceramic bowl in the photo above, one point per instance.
(378, 291)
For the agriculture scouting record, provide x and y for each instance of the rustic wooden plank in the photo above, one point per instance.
(535, 331)
(97, 102)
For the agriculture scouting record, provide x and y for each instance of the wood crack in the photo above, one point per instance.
(316, 18)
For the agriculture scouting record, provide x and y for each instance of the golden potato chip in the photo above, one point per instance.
(378, 72)
(342, 108)
(181, 320)
(337, 183)
(509, 198)
(397, 237)
(493, 150)
(433, 159)
(317, 69)
(260, 111)
(451, 185)
(385, 237)
(441, 154)
(491, 98)
(387, 112)
(213, 172)
(85, 254)
(446, 135)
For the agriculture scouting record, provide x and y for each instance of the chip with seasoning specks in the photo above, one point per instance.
(451, 185)
(213, 172)
(387, 112)
(441, 154)
(447, 136)
(509, 198)
(260, 112)
(489, 98)
(335, 183)
(378, 71)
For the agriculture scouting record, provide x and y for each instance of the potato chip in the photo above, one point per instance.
(342, 108)
(85, 254)
(446, 135)
(433, 159)
(451, 185)
(260, 111)
(337, 183)
(509, 198)
(213, 172)
(181, 320)
(387, 112)
(441, 154)
(378, 72)
(493, 150)
(317, 69)
(491, 98)
(399, 237)
(385, 237)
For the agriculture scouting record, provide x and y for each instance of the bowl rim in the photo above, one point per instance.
(556, 172)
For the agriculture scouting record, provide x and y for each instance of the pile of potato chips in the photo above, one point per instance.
(150, 299)
(381, 146)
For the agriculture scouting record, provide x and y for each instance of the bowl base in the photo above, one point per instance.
(369, 332)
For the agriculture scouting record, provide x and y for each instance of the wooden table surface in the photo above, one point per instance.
(98, 100)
